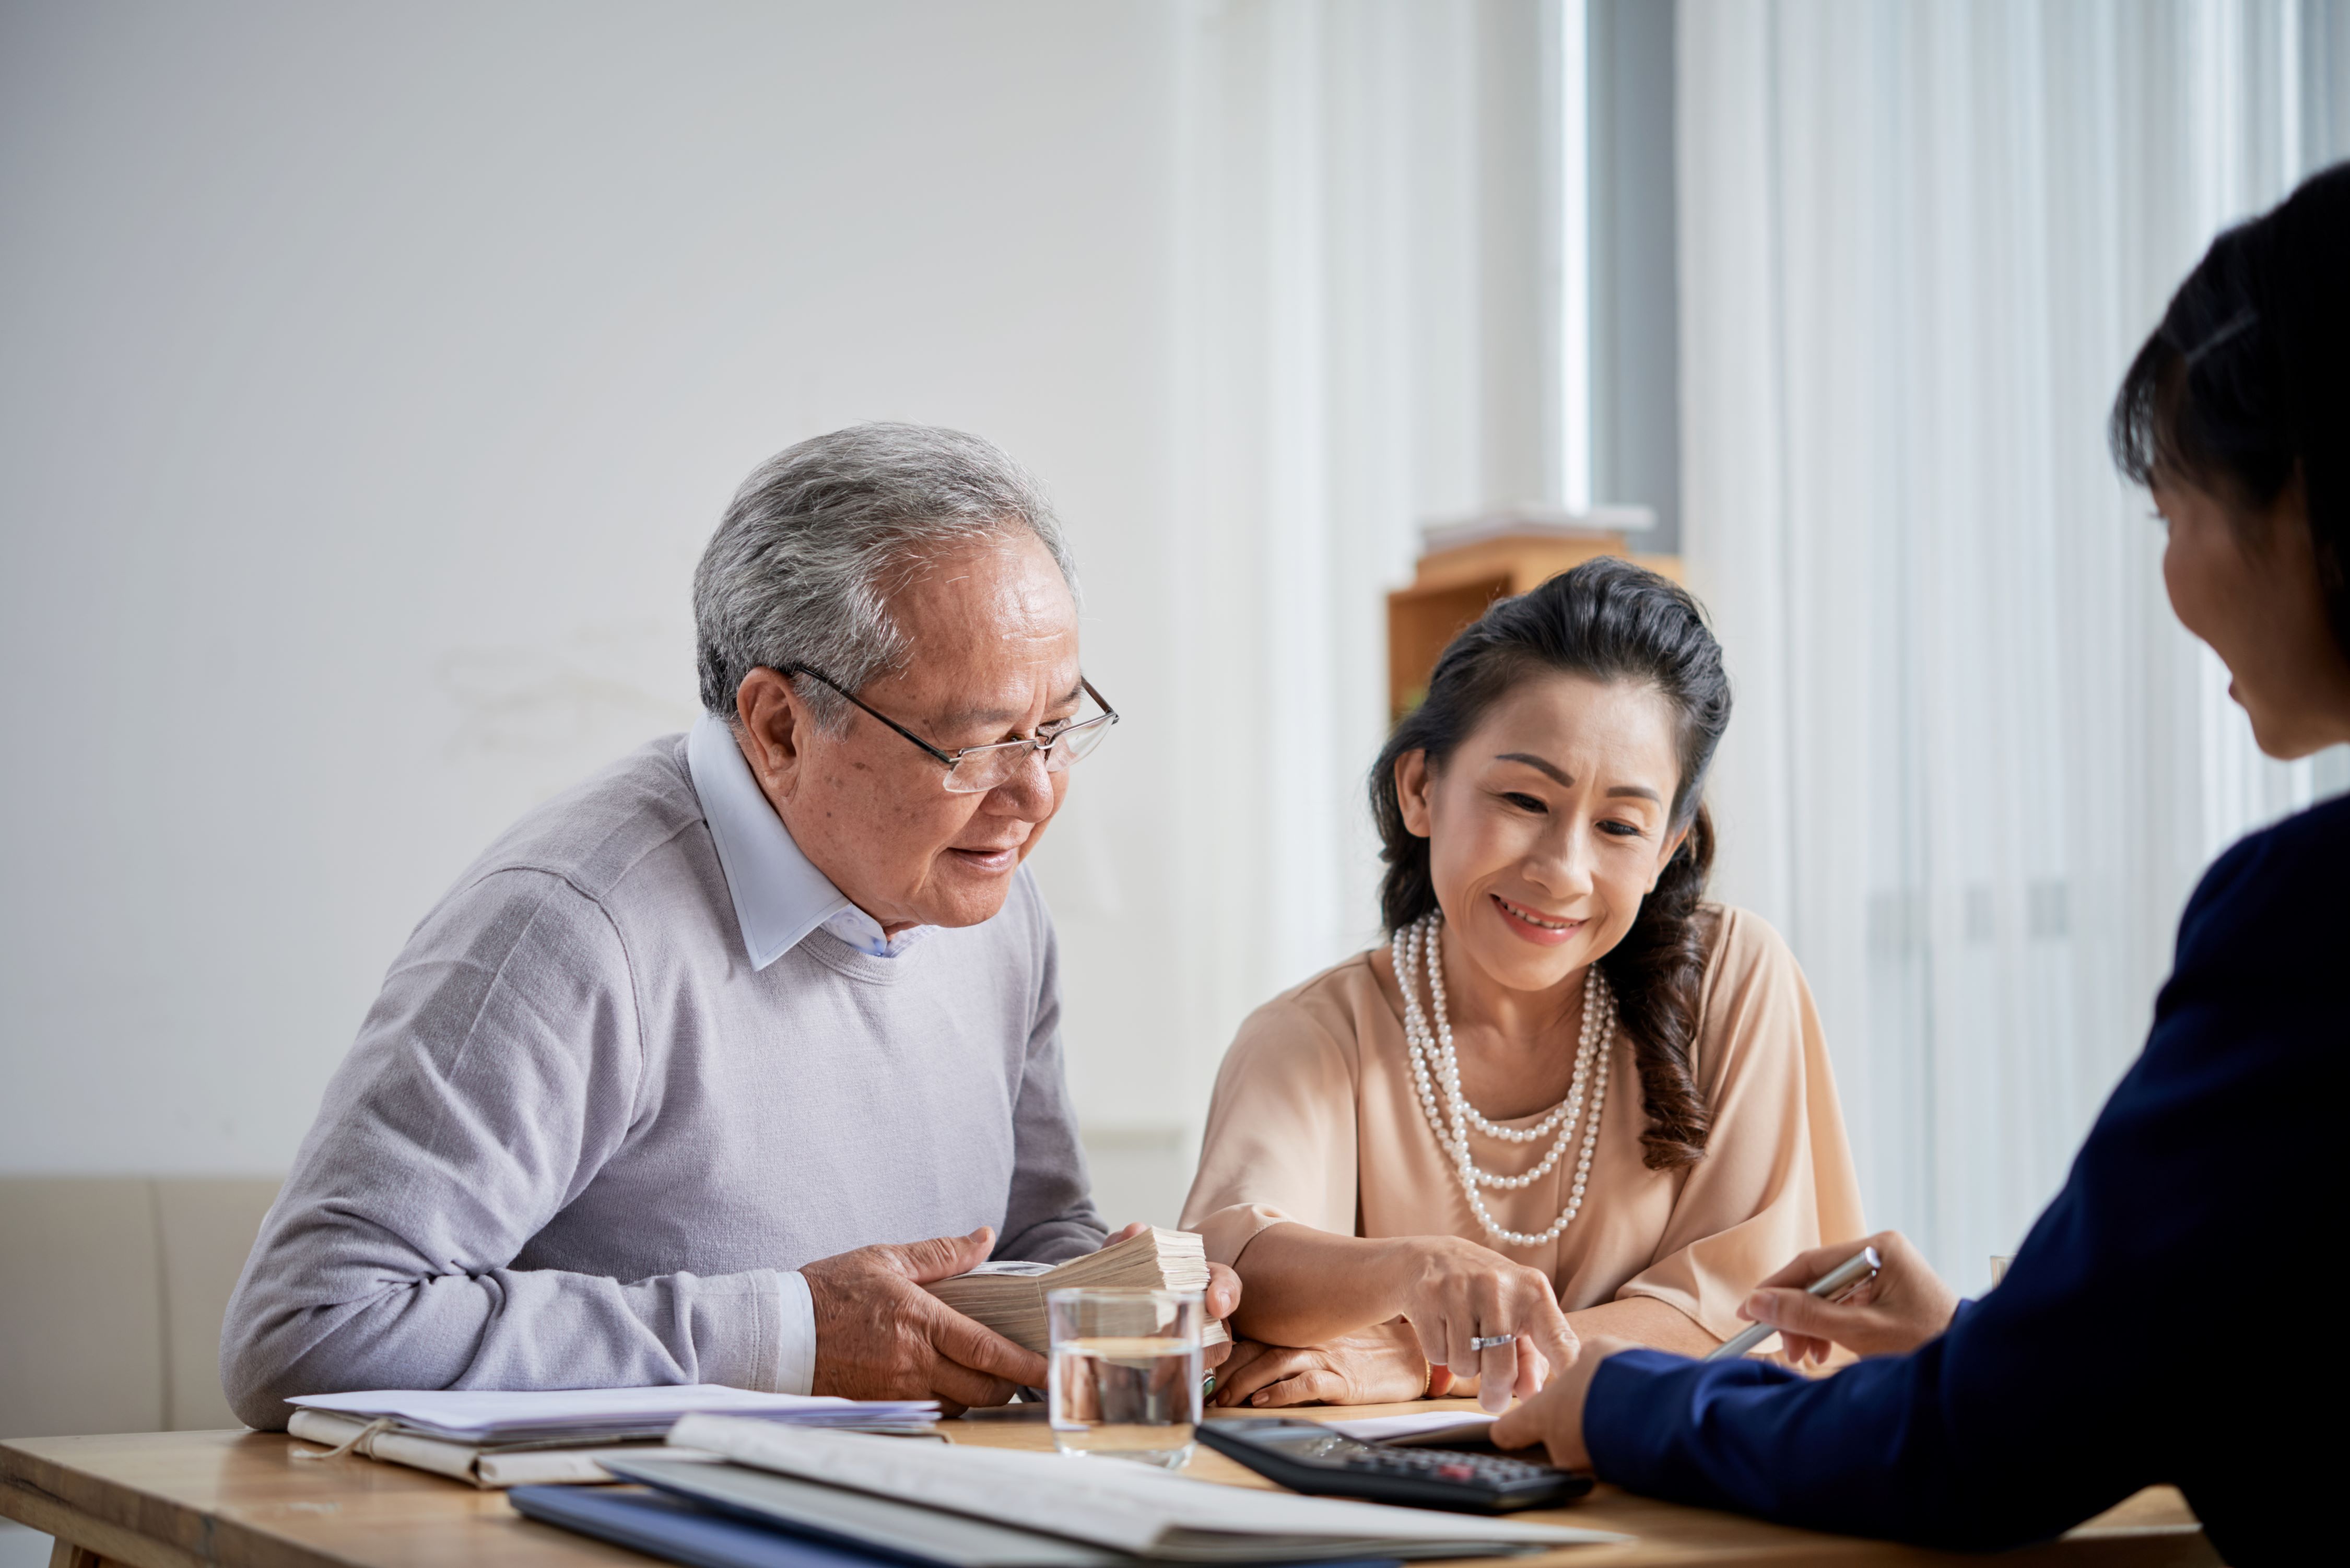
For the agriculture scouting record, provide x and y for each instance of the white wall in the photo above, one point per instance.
(370, 380)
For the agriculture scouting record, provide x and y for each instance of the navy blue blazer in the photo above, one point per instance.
(2166, 1321)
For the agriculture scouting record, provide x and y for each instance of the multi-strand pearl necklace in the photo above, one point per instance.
(1435, 1066)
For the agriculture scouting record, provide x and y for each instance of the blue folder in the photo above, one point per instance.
(680, 1531)
(670, 1528)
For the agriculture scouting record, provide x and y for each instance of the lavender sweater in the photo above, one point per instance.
(580, 1135)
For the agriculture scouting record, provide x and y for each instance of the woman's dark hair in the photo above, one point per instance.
(2247, 381)
(1607, 620)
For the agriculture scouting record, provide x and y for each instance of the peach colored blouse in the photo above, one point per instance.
(1315, 1120)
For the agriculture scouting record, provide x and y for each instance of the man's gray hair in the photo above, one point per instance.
(820, 536)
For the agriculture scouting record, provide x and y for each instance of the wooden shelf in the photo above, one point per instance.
(1453, 588)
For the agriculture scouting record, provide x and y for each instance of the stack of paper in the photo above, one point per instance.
(609, 1415)
(491, 1466)
(952, 1504)
(496, 1440)
(1010, 1297)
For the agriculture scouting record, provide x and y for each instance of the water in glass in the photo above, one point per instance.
(1125, 1369)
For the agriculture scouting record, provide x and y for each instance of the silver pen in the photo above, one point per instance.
(1834, 1285)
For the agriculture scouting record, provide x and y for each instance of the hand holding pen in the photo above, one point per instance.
(1890, 1311)
(1877, 1297)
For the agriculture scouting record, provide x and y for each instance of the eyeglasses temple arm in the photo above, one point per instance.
(945, 757)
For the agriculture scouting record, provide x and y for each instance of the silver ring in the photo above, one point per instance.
(1493, 1341)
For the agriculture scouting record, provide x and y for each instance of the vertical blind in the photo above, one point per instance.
(1976, 767)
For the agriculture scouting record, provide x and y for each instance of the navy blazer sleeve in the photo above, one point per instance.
(2093, 1370)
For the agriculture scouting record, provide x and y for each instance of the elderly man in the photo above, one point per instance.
(707, 1065)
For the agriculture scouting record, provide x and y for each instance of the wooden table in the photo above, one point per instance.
(181, 1500)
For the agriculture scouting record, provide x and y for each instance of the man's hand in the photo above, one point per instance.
(1223, 1296)
(1554, 1418)
(1381, 1364)
(1905, 1305)
(879, 1335)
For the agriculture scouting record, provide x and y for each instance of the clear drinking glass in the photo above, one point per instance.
(1125, 1373)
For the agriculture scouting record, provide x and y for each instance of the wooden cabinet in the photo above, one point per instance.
(1453, 588)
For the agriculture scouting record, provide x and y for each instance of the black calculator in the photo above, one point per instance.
(1309, 1457)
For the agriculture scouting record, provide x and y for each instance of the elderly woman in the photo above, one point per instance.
(2115, 1354)
(1569, 1097)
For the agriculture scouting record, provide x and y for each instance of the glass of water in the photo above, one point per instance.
(1125, 1373)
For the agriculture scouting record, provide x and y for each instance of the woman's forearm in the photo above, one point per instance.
(1646, 1320)
(1304, 1286)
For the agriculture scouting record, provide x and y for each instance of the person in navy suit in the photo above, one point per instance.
(2165, 1320)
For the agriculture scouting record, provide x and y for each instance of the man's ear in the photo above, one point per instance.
(1672, 847)
(773, 727)
(1413, 782)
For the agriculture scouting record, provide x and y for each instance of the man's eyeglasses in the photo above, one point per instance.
(975, 769)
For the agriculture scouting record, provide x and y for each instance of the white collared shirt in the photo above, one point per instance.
(779, 898)
(779, 895)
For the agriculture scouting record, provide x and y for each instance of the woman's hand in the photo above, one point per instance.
(1905, 1305)
(1453, 1291)
(1554, 1418)
(1221, 1300)
(1378, 1365)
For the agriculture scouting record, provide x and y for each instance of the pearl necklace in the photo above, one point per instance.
(1435, 1064)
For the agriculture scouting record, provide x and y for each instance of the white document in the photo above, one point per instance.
(484, 1415)
(1418, 1424)
(1108, 1502)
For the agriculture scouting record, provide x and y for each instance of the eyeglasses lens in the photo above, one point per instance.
(1079, 741)
(992, 767)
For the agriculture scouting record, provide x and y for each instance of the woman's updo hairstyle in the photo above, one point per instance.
(1607, 621)
(2247, 381)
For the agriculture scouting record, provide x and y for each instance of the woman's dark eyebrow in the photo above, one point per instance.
(1566, 779)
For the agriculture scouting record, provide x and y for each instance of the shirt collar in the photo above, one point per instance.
(779, 895)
